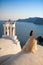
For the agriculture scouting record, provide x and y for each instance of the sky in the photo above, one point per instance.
(20, 9)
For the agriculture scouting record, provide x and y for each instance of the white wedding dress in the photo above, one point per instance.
(31, 45)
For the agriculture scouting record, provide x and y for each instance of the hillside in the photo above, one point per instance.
(35, 20)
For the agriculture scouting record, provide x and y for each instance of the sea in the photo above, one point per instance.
(23, 30)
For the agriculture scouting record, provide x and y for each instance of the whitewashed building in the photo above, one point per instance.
(10, 34)
(9, 29)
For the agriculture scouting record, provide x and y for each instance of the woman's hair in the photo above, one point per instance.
(31, 32)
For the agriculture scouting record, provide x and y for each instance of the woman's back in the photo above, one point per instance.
(31, 45)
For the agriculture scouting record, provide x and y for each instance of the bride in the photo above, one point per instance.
(31, 44)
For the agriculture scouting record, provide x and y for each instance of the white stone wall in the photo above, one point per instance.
(12, 29)
(11, 34)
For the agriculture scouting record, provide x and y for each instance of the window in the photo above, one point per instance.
(6, 32)
(9, 30)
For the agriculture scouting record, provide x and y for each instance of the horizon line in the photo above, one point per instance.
(21, 18)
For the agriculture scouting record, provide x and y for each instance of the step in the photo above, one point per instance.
(15, 37)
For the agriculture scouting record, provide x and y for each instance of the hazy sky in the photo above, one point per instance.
(16, 9)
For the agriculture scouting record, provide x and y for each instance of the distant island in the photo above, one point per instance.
(35, 20)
